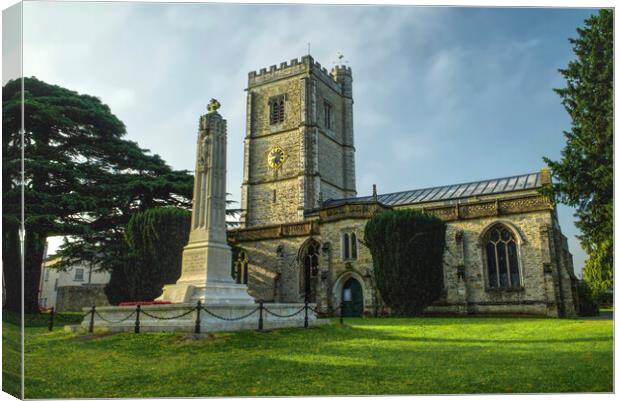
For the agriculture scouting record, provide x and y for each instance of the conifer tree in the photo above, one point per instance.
(81, 178)
(584, 175)
(407, 249)
(155, 241)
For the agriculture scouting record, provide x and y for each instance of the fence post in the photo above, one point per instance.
(137, 326)
(260, 316)
(341, 312)
(50, 325)
(91, 326)
(197, 327)
(306, 315)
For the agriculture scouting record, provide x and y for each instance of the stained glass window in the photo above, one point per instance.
(502, 258)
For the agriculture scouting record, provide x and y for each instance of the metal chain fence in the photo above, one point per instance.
(261, 309)
(285, 316)
(230, 319)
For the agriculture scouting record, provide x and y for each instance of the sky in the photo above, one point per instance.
(443, 95)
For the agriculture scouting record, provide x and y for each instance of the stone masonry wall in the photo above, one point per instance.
(470, 291)
(340, 268)
(331, 164)
(274, 269)
(74, 298)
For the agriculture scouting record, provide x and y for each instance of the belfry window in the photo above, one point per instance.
(276, 110)
(349, 246)
(327, 108)
(502, 258)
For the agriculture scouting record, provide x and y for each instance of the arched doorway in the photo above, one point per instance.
(352, 298)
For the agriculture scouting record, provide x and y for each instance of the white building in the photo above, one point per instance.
(79, 275)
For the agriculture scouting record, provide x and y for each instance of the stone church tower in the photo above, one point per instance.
(298, 146)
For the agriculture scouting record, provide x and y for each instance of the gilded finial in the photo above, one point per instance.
(213, 106)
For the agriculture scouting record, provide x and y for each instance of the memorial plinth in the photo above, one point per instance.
(157, 318)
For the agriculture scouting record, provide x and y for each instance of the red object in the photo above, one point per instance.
(133, 303)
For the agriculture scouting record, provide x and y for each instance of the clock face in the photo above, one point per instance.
(276, 157)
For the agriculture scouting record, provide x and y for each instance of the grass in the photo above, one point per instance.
(365, 356)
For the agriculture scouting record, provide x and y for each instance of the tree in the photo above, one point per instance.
(584, 175)
(407, 249)
(81, 178)
(588, 305)
(155, 241)
(598, 271)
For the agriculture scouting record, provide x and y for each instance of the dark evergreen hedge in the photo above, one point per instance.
(155, 241)
(588, 305)
(407, 250)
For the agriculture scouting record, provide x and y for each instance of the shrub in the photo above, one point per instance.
(155, 241)
(587, 302)
(407, 249)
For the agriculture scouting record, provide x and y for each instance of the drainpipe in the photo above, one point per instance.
(90, 274)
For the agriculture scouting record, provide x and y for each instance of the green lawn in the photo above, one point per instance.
(366, 356)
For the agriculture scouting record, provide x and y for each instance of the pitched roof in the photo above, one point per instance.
(451, 192)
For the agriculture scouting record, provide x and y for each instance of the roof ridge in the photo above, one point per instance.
(452, 185)
(440, 190)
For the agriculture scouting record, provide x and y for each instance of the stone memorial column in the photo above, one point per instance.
(207, 257)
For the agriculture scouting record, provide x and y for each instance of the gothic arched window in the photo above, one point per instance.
(349, 246)
(309, 268)
(502, 258)
(353, 246)
(345, 246)
(241, 268)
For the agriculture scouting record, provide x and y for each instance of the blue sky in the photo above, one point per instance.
(442, 95)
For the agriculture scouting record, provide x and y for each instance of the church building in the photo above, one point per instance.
(302, 223)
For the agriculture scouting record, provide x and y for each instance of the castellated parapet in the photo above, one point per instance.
(336, 78)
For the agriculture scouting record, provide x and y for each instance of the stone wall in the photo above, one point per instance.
(331, 163)
(342, 269)
(545, 265)
(470, 290)
(274, 268)
(74, 298)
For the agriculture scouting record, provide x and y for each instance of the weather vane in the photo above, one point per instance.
(340, 59)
